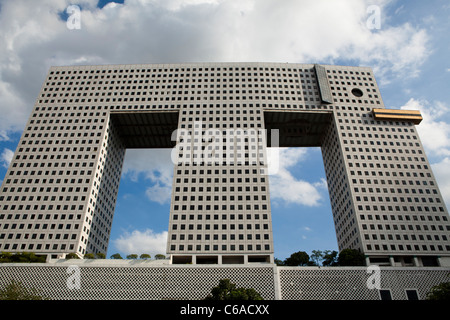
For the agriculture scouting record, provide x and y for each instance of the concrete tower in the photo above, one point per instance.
(60, 190)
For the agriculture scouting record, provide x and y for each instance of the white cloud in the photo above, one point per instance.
(3, 135)
(13, 109)
(395, 52)
(435, 136)
(33, 37)
(284, 187)
(322, 184)
(434, 133)
(304, 230)
(153, 164)
(6, 157)
(139, 242)
(156, 167)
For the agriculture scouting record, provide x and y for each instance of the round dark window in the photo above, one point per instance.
(357, 92)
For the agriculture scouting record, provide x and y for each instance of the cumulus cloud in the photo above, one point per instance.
(284, 187)
(3, 135)
(159, 193)
(33, 37)
(434, 133)
(305, 230)
(139, 242)
(153, 164)
(6, 157)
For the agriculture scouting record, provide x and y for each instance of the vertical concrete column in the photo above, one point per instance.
(276, 280)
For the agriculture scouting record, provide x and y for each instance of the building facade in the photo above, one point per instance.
(60, 190)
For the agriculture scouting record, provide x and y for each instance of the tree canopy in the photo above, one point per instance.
(299, 258)
(330, 258)
(226, 290)
(135, 256)
(327, 258)
(21, 257)
(351, 257)
(16, 291)
(440, 291)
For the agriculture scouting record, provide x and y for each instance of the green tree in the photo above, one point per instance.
(351, 257)
(440, 291)
(22, 257)
(72, 256)
(279, 262)
(89, 256)
(5, 257)
(299, 258)
(330, 258)
(100, 255)
(132, 256)
(226, 290)
(116, 256)
(16, 291)
(159, 256)
(244, 294)
(144, 256)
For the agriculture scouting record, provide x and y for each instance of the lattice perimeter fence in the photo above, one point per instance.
(140, 281)
(357, 283)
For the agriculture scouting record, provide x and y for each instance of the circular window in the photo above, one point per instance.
(357, 92)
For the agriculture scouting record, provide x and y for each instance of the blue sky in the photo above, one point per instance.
(408, 53)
